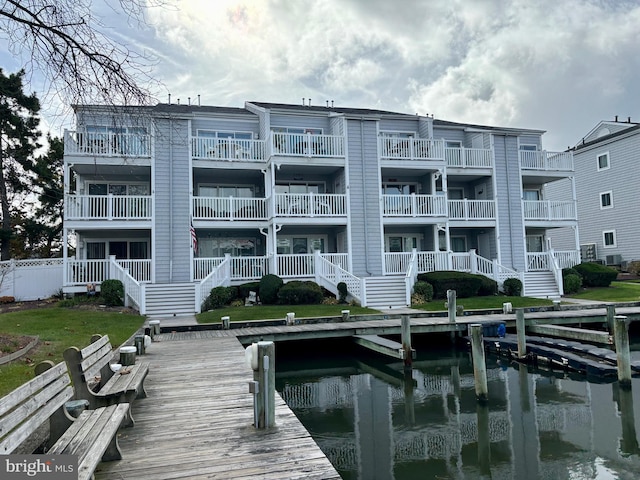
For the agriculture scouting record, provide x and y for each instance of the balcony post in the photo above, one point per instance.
(473, 261)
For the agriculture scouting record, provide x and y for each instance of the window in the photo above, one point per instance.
(226, 191)
(535, 243)
(135, 250)
(218, 247)
(401, 243)
(122, 140)
(603, 161)
(299, 245)
(399, 188)
(528, 147)
(606, 200)
(609, 238)
(223, 145)
(458, 244)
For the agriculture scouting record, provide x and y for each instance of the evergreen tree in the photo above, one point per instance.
(18, 141)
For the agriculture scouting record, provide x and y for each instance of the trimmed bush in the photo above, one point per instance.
(269, 286)
(424, 289)
(488, 286)
(570, 271)
(571, 283)
(112, 292)
(512, 287)
(596, 275)
(219, 297)
(465, 284)
(300, 293)
(245, 288)
(342, 291)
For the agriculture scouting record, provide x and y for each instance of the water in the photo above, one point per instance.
(372, 422)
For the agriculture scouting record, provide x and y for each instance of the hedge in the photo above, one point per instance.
(465, 284)
(596, 275)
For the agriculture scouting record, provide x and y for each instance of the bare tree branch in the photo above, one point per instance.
(65, 41)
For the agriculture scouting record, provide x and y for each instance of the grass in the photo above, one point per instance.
(58, 329)
(617, 292)
(489, 302)
(268, 312)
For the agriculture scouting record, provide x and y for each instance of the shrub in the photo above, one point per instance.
(7, 299)
(269, 286)
(465, 284)
(488, 286)
(424, 290)
(342, 291)
(300, 293)
(245, 288)
(596, 275)
(634, 267)
(218, 297)
(570, 271)
(112, 292)
(572, 283)
(512, 287)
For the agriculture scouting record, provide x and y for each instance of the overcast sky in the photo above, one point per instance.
(556, 65)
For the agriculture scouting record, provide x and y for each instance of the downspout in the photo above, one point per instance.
(171, 199)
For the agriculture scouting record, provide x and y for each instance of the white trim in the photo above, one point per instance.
(602, 194)
(603, 154)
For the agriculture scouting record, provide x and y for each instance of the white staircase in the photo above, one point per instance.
(540, 285)
(169, 299)
(385, 292)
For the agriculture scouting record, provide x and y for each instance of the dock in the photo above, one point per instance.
(197, 421)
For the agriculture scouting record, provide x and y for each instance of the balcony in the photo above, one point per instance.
(307, 145)
(108, 207)
(392, 148)
(229, 208)
(414, 205)
(228, 149)
(546, 161)
(472, 209)
(548, 210)
(469, 157)
(82, 272)
(310, 205)
(107, 144)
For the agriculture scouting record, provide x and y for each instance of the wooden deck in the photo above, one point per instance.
(197, 421)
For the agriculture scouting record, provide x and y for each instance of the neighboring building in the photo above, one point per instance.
(189, 197)
(607, 176)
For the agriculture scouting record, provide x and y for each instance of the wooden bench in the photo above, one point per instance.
(93, 379)
(92, 436)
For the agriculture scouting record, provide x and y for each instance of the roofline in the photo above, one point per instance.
(633, 129)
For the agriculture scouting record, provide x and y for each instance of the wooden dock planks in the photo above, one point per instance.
(197, 421)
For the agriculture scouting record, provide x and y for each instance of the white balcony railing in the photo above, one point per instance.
(81, 272)
(472, 209)
(307, 145)
(107, 207)
(549, 210)
(310, 204)
(568, 258)
(543, 160)
(469, 157)
(231, 149)
(414, 205)
(229, 208)
(107, 144)
(393, 148)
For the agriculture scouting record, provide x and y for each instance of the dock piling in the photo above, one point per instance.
(405, 334)
(261, 357)
(451, 305)
(611, 313)
(621, 335)
(479, 364)
(520, 331)
(225, 322)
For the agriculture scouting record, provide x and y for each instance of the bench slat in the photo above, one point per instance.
(127, 382)
(26, 390)
(96, 345)
(92, 365)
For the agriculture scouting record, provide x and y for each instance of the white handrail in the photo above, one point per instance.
(557, 271)
(219, 276)
(410, 277)
(132, 288)
(329, 275)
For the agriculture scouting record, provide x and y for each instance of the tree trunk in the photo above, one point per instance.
(5, 231)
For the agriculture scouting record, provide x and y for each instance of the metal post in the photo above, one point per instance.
(266, 376)
(520, 332)
(621, 335)
(405, 334)
(479, 365)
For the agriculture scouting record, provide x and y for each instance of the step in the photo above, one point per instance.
(165, 299)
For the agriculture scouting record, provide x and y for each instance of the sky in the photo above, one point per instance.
(555, 65)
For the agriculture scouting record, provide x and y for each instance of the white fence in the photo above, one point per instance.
(31, 279)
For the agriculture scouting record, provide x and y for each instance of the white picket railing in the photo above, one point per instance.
(229, 208)
(230, 149)
(138, 269)
(329, 275)
(466, 209)
(295, 265)
(469, 157)
(414, 205)
(219, 276)
(310, 204)
(107, 144)
(202, 267)
(543, 160)
(82, 272)
(307, 145)
(108, 207)
(557, 272)
(393, 148)
(549, 210)
(411, 276)
(568, 258)
(133, 289)
(538, 262)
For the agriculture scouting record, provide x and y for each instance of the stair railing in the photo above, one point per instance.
(411, 275)
(133, 289)
(329, 275)
(219, 276)
(556, 270)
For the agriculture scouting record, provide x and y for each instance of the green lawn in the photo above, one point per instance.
(58, 329)
(617, 292)
(270, 312)
(490, 302)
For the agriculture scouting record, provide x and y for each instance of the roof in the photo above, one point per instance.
(324, 109)
(606, 138)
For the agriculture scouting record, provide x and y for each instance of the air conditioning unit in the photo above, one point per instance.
(588, 252)
(613, 259)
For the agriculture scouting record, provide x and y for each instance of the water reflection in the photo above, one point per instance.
(375, 422)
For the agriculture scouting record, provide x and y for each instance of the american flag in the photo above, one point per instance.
(194, 238)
